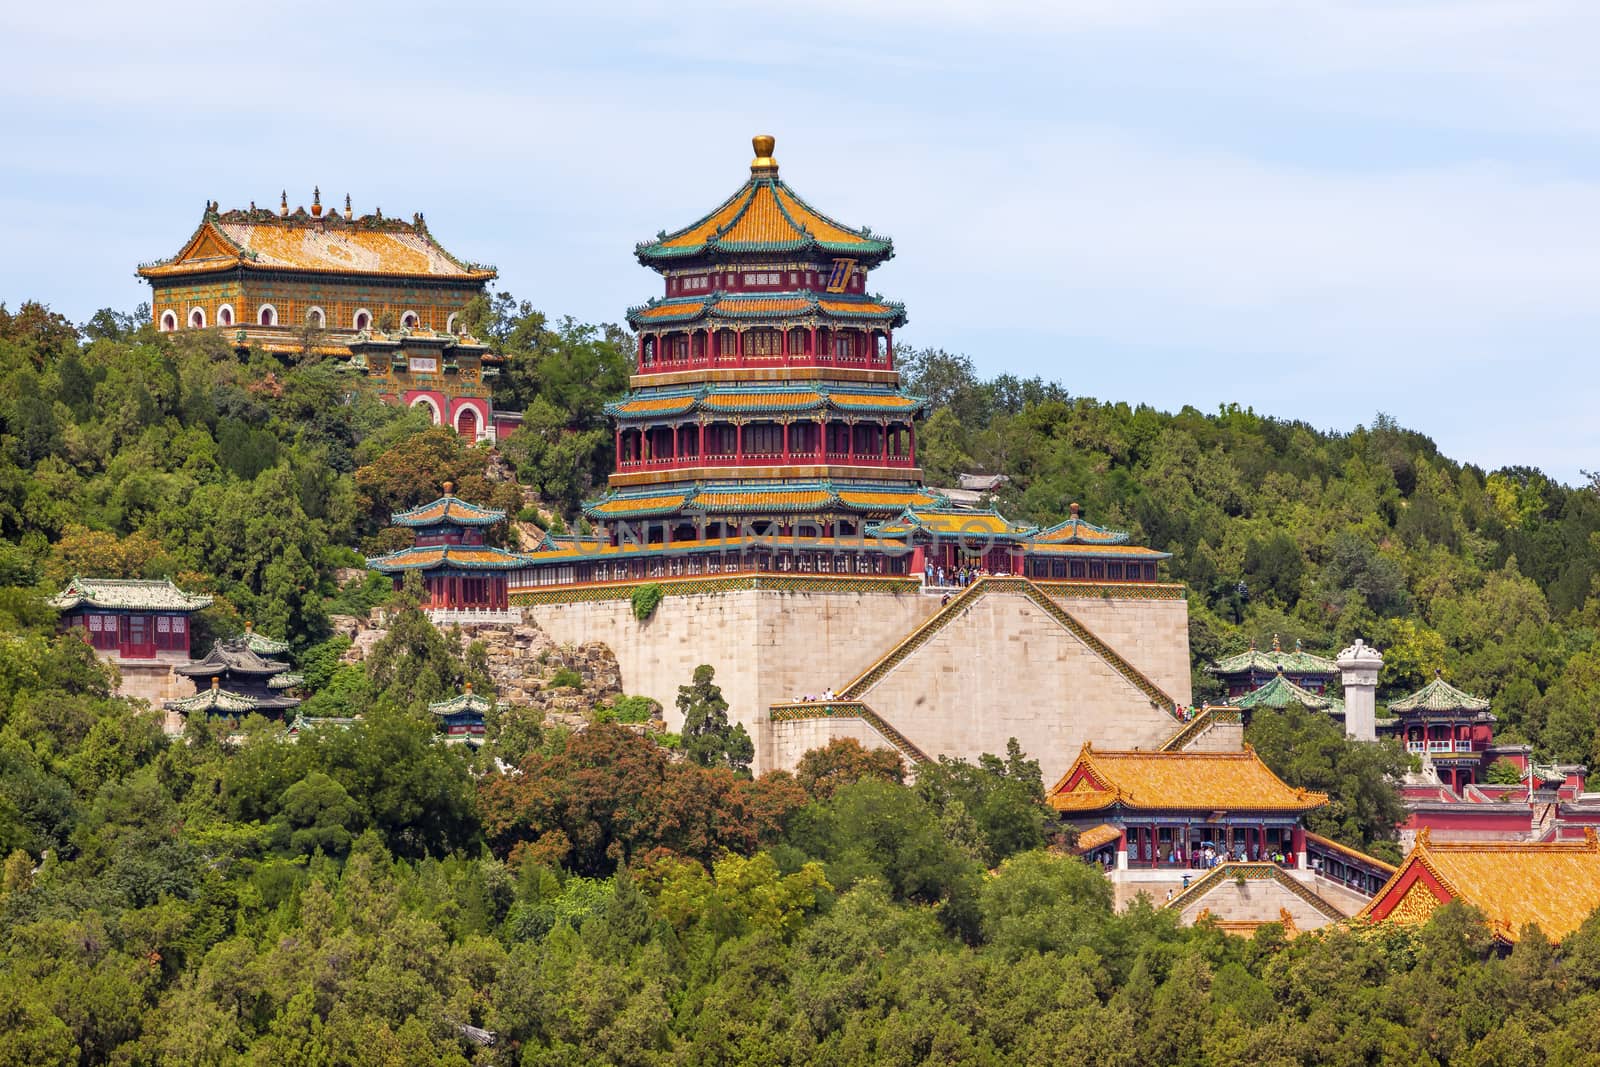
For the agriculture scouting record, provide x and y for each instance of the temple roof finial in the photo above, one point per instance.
(316, 201)
(1276, 646)
(467, 688)
(763, 164)
(347, 212)
(1073, 509)
(449, 488)
(283, 203)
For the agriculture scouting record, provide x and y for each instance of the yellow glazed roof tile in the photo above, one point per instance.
(1194, 781)
(639, 503)
(1555, 885)
(661, 311)
(761, 498)
(329, 244)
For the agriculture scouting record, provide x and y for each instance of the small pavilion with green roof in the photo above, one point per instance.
(461, 716)
(1253, 668)
(1281, 693)
(215, 702)
(1452, 728)
(461, 572)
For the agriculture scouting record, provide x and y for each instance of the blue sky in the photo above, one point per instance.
(1320, 209)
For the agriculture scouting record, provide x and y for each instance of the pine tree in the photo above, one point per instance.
(708, 738)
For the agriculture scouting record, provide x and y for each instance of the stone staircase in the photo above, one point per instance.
(1205, 720)
(1013, 586)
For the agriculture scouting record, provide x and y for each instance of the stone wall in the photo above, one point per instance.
(1153, 635)
(767, 646)
(151, 680)
(1003, 668)
(793, 739)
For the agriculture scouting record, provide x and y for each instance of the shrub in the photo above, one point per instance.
(1504, 772)
(645, 599)
(633, 709)
(566, 678)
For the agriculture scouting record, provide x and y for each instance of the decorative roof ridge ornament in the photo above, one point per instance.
(764, 165)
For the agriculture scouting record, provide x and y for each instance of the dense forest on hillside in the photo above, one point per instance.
(369, 896)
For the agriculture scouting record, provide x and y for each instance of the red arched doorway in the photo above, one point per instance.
(467, 424)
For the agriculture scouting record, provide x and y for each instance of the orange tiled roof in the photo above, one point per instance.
(767, 305)
(1095, 836)
(1195, 781)
(971, 523)
(450, 509)
(1555, 885)
(855, 307)
(765, 216)
(805, 498)
(653, 405)
(742, 401)
(300, 242)
(1138, 551)
(873, 498)
(763, 212)
(1355, 854)
(877, 400)
(593, 549)
(639, 503)
(662, 311)
(429, 556)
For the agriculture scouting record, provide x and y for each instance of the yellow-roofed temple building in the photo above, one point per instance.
(1211, 833)
(381, 294)
(1554, 885)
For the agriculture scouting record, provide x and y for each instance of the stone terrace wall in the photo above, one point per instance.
(1153, 635)
(1003, 669)
(767, 646)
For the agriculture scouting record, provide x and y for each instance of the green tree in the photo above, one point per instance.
(709, 739)
(1308, 749)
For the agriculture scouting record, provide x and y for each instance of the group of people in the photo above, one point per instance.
(827, 694)
(961, 576)
(1203, 856)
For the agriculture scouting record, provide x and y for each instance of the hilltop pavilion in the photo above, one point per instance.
(766, 428)
(379, 294)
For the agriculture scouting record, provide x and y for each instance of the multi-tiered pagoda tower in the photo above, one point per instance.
(766, 392)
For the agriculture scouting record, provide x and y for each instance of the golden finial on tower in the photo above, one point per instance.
(763, 163)
(316, 201)
(347, 213)
(283, 205)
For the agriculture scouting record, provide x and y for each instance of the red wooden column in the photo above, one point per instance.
(850, 442)
(738, 346)
(702, 440)
(786, 433)
(822, 440)
(619, 446)
(883, 428)
(738, 425)
(1122, 849)
(814, 357)
(911, 455)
